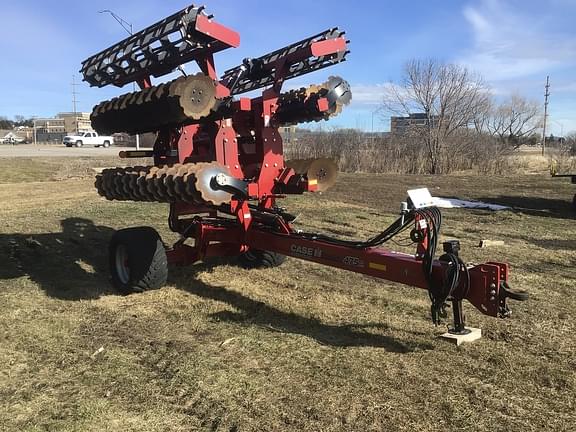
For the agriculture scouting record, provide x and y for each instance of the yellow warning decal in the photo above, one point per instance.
(377, 266)
(312, 182)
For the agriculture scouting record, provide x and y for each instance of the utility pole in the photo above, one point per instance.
(74, 102)
(546, 95)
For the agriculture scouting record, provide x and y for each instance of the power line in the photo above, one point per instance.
(130, 30)
(125, 24)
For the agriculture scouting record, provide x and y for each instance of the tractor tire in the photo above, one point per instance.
(79, 143)
(106, 144)
(138, 260)
(255, 258)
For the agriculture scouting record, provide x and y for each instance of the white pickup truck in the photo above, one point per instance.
(88, 138)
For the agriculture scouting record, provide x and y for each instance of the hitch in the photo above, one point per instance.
(506, 292)
(452, 248)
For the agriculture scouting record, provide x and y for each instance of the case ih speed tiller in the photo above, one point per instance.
(218, 163)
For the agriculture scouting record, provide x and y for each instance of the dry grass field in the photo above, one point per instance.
(298, 348)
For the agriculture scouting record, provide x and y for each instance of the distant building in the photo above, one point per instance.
(76, 122)
(26, 132)
(12, 137)
(555, 140)
(402, 125)
(54, 129)
(49, 129)
(20, 134)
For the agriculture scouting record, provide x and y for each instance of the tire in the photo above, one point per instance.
(137, 260)
(79, 143)
(255, 258)
(106, 144)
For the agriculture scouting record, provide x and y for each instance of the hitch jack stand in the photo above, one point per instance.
(460, 333)
(459, 324)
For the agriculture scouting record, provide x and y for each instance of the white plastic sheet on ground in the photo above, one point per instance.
(458, 203)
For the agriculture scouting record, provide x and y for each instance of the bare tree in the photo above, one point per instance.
(563, 153)
(514, 121)
(482, 117)
(451, 98)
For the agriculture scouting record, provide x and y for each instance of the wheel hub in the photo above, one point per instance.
(122, 268)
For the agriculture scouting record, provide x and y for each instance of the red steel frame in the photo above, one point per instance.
(262, 160)
(211, 240)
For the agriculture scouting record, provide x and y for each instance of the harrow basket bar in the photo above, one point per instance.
(159, 49)
(314, 53)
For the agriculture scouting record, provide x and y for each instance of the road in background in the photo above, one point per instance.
(31, 150)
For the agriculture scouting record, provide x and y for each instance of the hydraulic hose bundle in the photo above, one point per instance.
(431, 223)
(440, 293)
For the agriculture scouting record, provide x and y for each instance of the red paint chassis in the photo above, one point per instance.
(211, 239)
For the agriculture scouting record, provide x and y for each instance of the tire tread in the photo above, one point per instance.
(255, 258)
(147, 259)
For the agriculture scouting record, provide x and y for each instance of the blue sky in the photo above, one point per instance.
(513, 44)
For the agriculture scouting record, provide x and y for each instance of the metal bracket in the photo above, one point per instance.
(230, 184)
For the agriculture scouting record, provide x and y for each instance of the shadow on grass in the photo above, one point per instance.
(68, 265)
(535, 206)
(73, 265)
(556, 244)
(254, 312)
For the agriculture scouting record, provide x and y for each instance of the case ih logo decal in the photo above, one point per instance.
(306, 251)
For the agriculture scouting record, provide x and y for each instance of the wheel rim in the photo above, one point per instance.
(122, 269)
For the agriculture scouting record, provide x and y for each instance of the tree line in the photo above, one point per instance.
(459, 109)
(461, 126)
(19, 120)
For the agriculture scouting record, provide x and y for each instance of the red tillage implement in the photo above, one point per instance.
(219, 164)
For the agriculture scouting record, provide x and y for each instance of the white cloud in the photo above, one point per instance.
(374, 94)
(514, 50)
(569, 87)
(509, 44)
(363, 94)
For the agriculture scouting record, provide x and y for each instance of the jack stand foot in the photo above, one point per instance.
(460, 331)
(470, 335)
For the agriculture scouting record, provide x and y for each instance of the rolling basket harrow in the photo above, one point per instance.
(218, 162)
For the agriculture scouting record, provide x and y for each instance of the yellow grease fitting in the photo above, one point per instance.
(377, 266)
